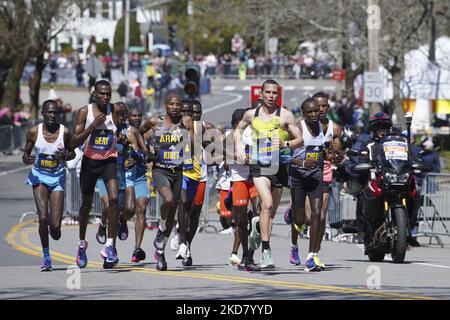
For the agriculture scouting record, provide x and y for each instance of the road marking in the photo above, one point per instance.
(29, 248)
(4, 173)
(229, 88)
(425, 264)
(238, 96)
(246, 88)
(329, 88)
(308, 88)
(289, 88)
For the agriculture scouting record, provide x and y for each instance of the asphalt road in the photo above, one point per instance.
(349, 274)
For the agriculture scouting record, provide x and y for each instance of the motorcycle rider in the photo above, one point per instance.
(380, 125)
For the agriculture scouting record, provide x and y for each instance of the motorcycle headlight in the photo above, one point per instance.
(403, 178)
(391, 178)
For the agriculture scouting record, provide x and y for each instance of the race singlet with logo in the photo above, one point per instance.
(169, 146)
(45, 160)
(101, 143)
(263, 133)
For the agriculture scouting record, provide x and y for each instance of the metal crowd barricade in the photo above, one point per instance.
(6, 139)
(73, 196)
(434, 214)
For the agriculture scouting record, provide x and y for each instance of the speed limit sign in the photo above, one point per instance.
(373, 87)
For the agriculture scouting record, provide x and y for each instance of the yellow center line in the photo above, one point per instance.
(27, 247)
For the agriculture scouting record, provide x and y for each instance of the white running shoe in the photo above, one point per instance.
(175, 242)
(183, 251)
(234, 260)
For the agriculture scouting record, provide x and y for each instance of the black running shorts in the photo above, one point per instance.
(278, 180)
(91, 170)
(307, 186)
(168, 178)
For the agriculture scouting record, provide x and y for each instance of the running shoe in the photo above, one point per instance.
(311, 266)
(47, 265)
(266, 260)
(249, 265)
(138, 255)
(111, 258)
(288, 215)
(255, 238)
(319, 263)
(55, 233)
(183, 251)
(82, 259)
(160, 240)
(104, 254)
(175, 242)
(161, 264)
(123, 230)
(234, 260)
(187, 262)
(101, 234)
(294, 257)
(300, 229)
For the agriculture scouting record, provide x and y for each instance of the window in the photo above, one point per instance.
(105, 9)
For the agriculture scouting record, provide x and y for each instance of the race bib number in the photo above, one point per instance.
(313, 153)
(47, 162)
(101, 139)
(396, 150)
(265, 151)
(171, 156)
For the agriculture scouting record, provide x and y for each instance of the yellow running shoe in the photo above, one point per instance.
(299, 229)
(319, 263)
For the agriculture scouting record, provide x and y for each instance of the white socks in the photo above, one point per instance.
(109, 242)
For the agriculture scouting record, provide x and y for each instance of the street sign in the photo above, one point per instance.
(255, 94)
(373, 87)
(136, 49)
(273, 45)
(338, 74)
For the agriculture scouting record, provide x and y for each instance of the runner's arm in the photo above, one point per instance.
(244, 123)
(70, 155)
(27, 158)
(292, 129)
(148, 125)
(80, 134)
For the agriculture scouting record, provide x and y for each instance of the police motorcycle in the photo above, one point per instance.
(388, 194)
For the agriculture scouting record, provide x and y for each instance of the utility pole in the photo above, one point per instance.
(127, 38)
(266, 27)
(432, 51)
(340, 46)
(190, 13)
(374, 26)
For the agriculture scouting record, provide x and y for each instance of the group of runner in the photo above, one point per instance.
(271, 151)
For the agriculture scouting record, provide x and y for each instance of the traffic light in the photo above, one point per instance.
(173, 36)
(192, 75)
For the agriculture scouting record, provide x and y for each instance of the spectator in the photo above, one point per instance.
(6, 116)
(53, 66)
(150, 73)
(79, 71)
(432, 159)
(211, 64)
(122, 90)
(345, 111)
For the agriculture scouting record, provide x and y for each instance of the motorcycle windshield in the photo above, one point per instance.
(395, 154)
